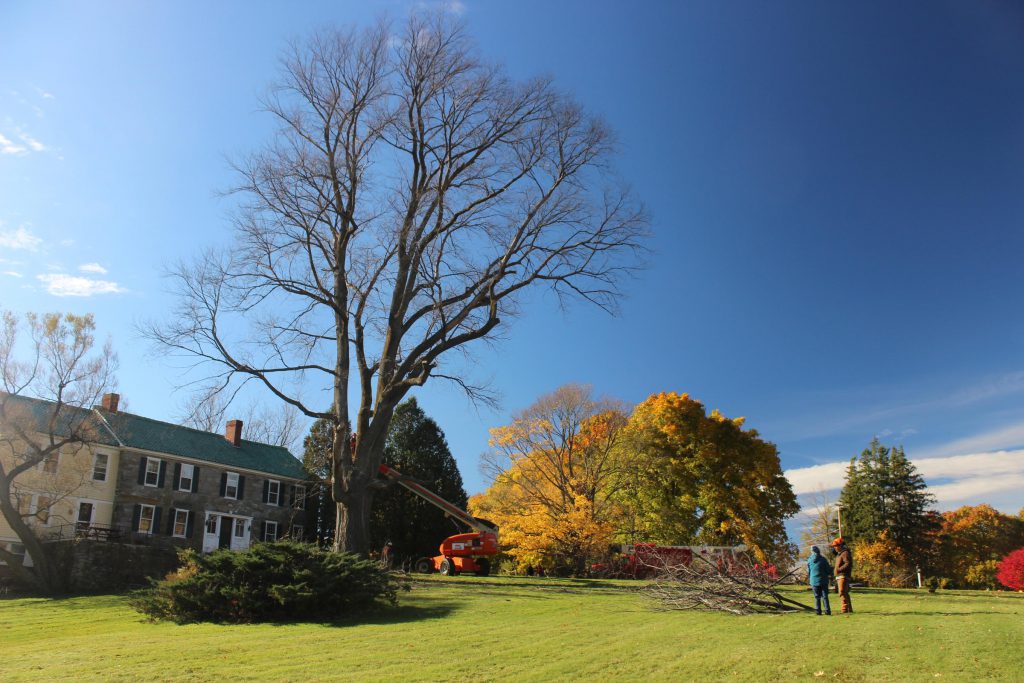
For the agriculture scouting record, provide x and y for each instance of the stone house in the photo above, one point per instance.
(204, 490)
(140, 480)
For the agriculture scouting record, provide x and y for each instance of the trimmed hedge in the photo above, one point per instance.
(282, 581)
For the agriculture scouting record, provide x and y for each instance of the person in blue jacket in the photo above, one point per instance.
(819, 571)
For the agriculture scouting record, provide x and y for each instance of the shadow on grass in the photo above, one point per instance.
(402, 614)
(578, 586)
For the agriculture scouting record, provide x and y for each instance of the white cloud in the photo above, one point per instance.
(45, 95)
(9, 147)
(34, 144)
(67, 243)
(12, 273)
(827, 477)
(874, 417)
(27, 144)
(93, 268)
(60, 284)
(19, 239)
(1011, 436)
(954, 480)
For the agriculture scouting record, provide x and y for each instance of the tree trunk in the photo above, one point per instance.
(352, 529)
(43, 577)
(356, 483)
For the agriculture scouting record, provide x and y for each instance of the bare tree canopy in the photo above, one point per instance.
(50, 382)
(412, 193)
(209, 408)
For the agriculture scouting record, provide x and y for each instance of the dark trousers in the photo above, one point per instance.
(820, 596)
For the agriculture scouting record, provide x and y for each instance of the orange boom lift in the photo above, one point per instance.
(461, 552)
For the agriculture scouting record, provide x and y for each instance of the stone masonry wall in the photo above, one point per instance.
(206, 499)
(101, 567)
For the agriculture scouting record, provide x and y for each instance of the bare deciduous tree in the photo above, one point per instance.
(279, 426)
(822, 525)
(62, 369)
(412, 194)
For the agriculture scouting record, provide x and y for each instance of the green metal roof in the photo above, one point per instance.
(134, 431)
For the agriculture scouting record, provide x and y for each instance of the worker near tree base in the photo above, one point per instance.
(819, 572)
(844, 572)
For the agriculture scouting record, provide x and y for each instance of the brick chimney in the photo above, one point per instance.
(109, 402)
(234, 432)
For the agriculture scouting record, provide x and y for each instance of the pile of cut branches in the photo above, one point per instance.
(739, 587)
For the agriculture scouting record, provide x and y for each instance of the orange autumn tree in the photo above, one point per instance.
(971, 541)
(557, 469)
(703, 479)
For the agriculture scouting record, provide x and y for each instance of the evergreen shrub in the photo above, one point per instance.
(269, 582)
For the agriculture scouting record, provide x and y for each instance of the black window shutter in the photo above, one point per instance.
(263, 531)
(136, 515)
(291, 495)
(142, 471)
(156, 521)
(241, 487)
(266, 490)
(163, 471)
(170, 521)
(177, 476)
(223, 483)
(188, 523)
(195, 479)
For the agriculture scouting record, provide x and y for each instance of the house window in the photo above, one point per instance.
(231, 485)
(297, 532)
(51, 462)
(152, 472)
(180, 529)
(84, 515)
(273, 492)
(146, 515)
(239, 528)
(24, 504)
(99, 467)
(185, 480)
(270, 531)
(15, 549)
(299, 499)
(211, 524)
(43, 505)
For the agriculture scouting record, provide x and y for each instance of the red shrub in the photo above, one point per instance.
(1011, 570)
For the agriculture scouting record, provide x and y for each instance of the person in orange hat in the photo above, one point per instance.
(844, 572)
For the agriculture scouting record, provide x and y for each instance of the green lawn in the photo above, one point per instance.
(476, 629)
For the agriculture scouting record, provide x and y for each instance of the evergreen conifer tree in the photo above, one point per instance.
(884, 492)
(417, 448)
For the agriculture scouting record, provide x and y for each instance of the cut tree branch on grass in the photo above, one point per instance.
(737, 588)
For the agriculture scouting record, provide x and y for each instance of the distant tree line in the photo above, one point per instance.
(890, 519)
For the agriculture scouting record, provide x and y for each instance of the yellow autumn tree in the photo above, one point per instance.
(557, 470)
(700, 478)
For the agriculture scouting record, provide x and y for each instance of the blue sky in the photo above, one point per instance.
(837, 197)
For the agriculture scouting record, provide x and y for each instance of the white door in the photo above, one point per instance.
(240, 533)
(211, 536)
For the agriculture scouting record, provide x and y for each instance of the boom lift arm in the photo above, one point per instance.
(467, 552)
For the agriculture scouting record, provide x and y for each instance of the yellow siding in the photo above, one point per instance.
(71, 484)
